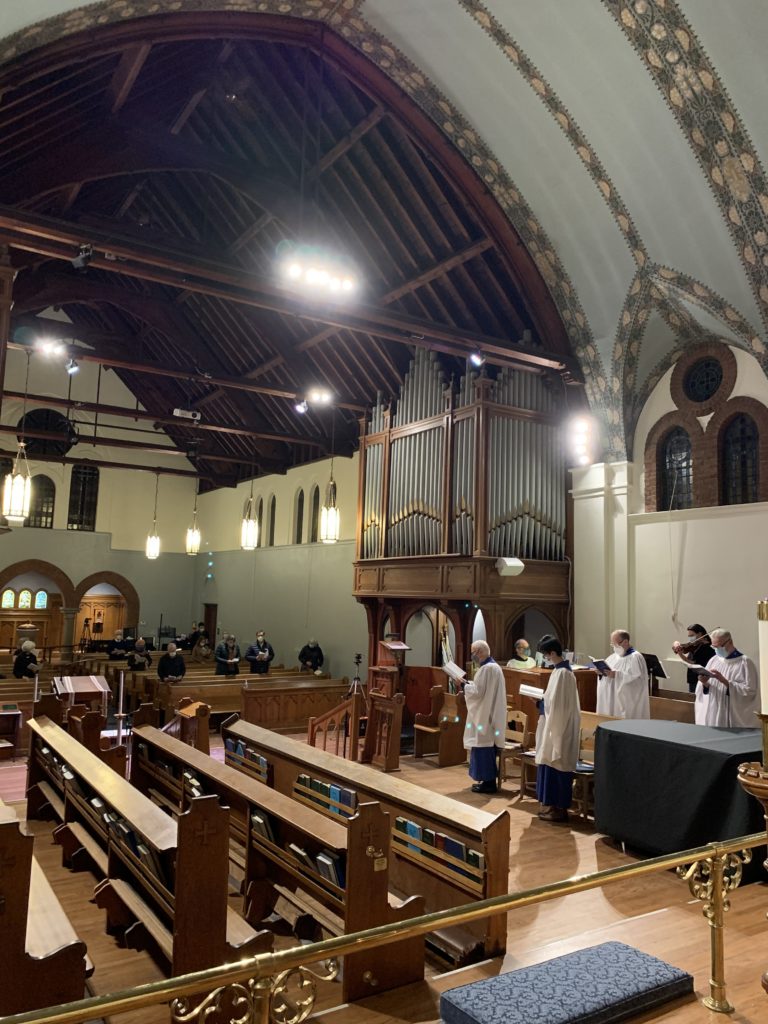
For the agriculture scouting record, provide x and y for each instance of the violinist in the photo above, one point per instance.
(697, 651)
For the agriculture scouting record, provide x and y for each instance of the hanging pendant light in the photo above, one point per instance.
(329, 514)
(249, 530)
(17, 490)
(193, 533)
(153, 540)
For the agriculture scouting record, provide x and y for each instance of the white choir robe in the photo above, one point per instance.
(624, 695)
(734, 705)
(558, 733)
(486, 699)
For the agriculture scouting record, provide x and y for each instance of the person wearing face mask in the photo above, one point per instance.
(733, 693)
(622, 691)
(228, 656)
(260, 654)
(557, 735)
(311, 657)
(522, 657)
(701, 652)
(486, 698)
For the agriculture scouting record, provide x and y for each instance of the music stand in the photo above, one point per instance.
(655, 672)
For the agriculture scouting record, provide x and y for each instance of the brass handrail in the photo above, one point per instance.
(267, 965)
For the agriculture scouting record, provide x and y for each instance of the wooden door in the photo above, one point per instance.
(210, 618)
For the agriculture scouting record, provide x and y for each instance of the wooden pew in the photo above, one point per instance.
(586, 683)
(43, 961)
(161, 878)
(286, 703)
(275, 878)
(669, 710)
(87, 726)
(441, 731)
(446, 879)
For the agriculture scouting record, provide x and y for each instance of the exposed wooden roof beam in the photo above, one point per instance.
(202, 88)
(58, 239)
(347, 142)
(106, 464)
(126, 73)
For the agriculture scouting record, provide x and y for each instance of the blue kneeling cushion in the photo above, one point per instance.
(598, 985)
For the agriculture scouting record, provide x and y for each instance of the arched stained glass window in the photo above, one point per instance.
(739, 467)
(41, 599)
(314, 515)
(272, 518)
(298, 535)
(260, 521)
(9, 599)
(43, 501)
(25, 599)
(675, 471)
(83, 498)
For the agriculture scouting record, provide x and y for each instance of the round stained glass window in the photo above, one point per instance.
(703, 379)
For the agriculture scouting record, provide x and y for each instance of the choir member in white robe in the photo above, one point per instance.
(557, 735)
(622, 692)
(734, 695)
(522, 659)
(486, 698)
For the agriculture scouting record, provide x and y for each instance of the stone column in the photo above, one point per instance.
(68, 627)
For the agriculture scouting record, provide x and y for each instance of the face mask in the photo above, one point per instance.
(260, 638)
(525, 652)
(547, 663)
(721, 652)
(618, 650)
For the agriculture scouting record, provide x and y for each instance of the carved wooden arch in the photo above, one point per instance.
(703, 485)
(716, 429)
(120, 583)
(555, 614)
(62, 581)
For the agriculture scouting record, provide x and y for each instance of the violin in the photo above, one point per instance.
(692, 645)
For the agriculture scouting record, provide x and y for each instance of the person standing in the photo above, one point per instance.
(557, 735)
(522, 656)
(702, 651)
(622, 690)
(260, 654)
(139, 660)
(733, 694)
(171, 665)
(486, 698)
(228, 656)
(311, 657)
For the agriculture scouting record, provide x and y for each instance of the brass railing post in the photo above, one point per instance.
(711, 880)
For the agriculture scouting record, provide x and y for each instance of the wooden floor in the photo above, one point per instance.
(655, 914)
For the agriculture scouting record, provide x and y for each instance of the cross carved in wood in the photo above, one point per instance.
(204, 832)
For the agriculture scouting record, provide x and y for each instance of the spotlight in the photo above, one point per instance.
(317, 272)
(50, 347)
(477, 359)
(581, 440)
(301, 406)
(83, 258)
(319, 396)
(72, 367)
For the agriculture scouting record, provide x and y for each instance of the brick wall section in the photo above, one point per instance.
(716, 429)
(656, 439)
(727, 360)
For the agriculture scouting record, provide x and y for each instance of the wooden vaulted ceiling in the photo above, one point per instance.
(174, 147)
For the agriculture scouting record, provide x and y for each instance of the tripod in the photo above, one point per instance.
(85, 636)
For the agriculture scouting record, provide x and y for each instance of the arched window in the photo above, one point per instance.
(298, 529)
(272, 517)
(9, 599)
(314, 515)
(260, 521)
(83, 498)
(739, 461)
(675, 471)
(25, 599)
(41, 600)
(43, 500)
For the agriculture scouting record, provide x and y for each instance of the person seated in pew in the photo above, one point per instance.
(486, 697)
(311, 657)
(139, 660)
(558, 735)
(171, 667)
(260, 654)
(198, 633)
(202, 651)
(622, 690)
(119, 647)
(228, 656)
(521, 658)
(25, 664)
(697, 650)
(734, 696)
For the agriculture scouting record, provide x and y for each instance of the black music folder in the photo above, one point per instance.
(655, 668)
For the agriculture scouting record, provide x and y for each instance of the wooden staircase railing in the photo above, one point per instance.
(338, 725)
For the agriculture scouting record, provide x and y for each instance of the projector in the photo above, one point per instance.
(509, 566)
(188, 414)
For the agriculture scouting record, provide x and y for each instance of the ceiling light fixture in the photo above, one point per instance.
(51, 347)
(319, 396)
(330, 523)
(153, 540)
(477, 359)
(192, 543)
(83, 258)
(249, 529)
(72, 367)
(302, 406)
(17, 491)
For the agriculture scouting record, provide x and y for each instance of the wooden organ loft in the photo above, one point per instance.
(452, 479)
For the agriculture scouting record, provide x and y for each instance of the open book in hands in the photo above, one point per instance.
(531, 691)
(600, 665)
(452, 669)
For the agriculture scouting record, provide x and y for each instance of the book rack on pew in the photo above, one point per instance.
(43, 961)
(161, 878)
(311, 870)
(443, 849)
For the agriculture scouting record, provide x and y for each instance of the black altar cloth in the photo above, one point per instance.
(661, 786)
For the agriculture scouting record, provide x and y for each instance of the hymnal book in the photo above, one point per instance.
(476, 859)
(302, 856)
(452, 669)
(303, 780)
(414, 831)
(348, 797)
(330, 866)
(262, 826)
(335, 795)
(240, 748)
(600, 665)
(229, 743)
(531, 691)
(428, 837)
(704, 672)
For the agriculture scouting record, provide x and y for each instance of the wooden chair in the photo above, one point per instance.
(584, 778)
(514, 741)
(10, 727)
